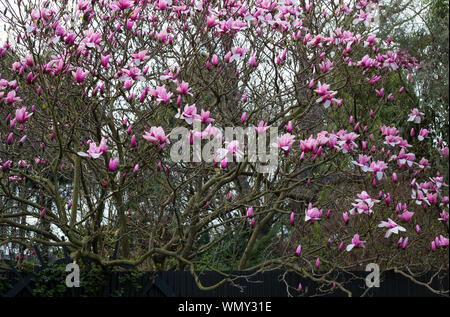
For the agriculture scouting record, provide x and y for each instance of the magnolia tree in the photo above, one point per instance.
(218, 135)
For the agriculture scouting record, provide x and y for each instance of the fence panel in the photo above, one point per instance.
(182, 284)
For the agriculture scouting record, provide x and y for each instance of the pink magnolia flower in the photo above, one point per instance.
(362, 162)
(156, 135)
(243, 117)
(444, 216)
(439, 242)
(404, 158)
(327, 66)
(423, 133)
(406, 216)
(292, 218)
(309, 145)
(392, 227)
(92, 39)
(380, 92)
(298, 251)
(431, 198)
(444, 152)
(214, 60)
(403, 244)
(285, 142)
(371, 40)
(400, 242)
(133, 73)
(140, 57)
(22, 115)
(363, 17)
(312, 214)
(377, 169)
(347, 141)
(161, 94)
(345, 216)
(419, 197)
(224, 163)
(144, 94)
(79, 75)
(399, 207)
(21, 164)
(238, 53)
(443, 242)
(28, 61)
(364, 145)
(444, 201)
(189, 114)
(385, 131)
(364, 204)
(105, 60)
(317, 263)
(183, 88)
(326, 96)
(250, 212)
(424, 163)
(6, 165)
(356, 243)
(113, 163)
(14, 179)
(163, 36)
(94, 150)
(232, 148)
(416, 116)
(394, 177)
(204, 117)
(262, 127)
(170, 74)
(252, 61)
(289, 126)
(211, 131)
(194, 134)
(11, 98)
(16, 66)
(372, 81)
(121, 5)
(393, 140)
(127, 84)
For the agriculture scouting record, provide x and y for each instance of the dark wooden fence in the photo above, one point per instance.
(182, 284)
